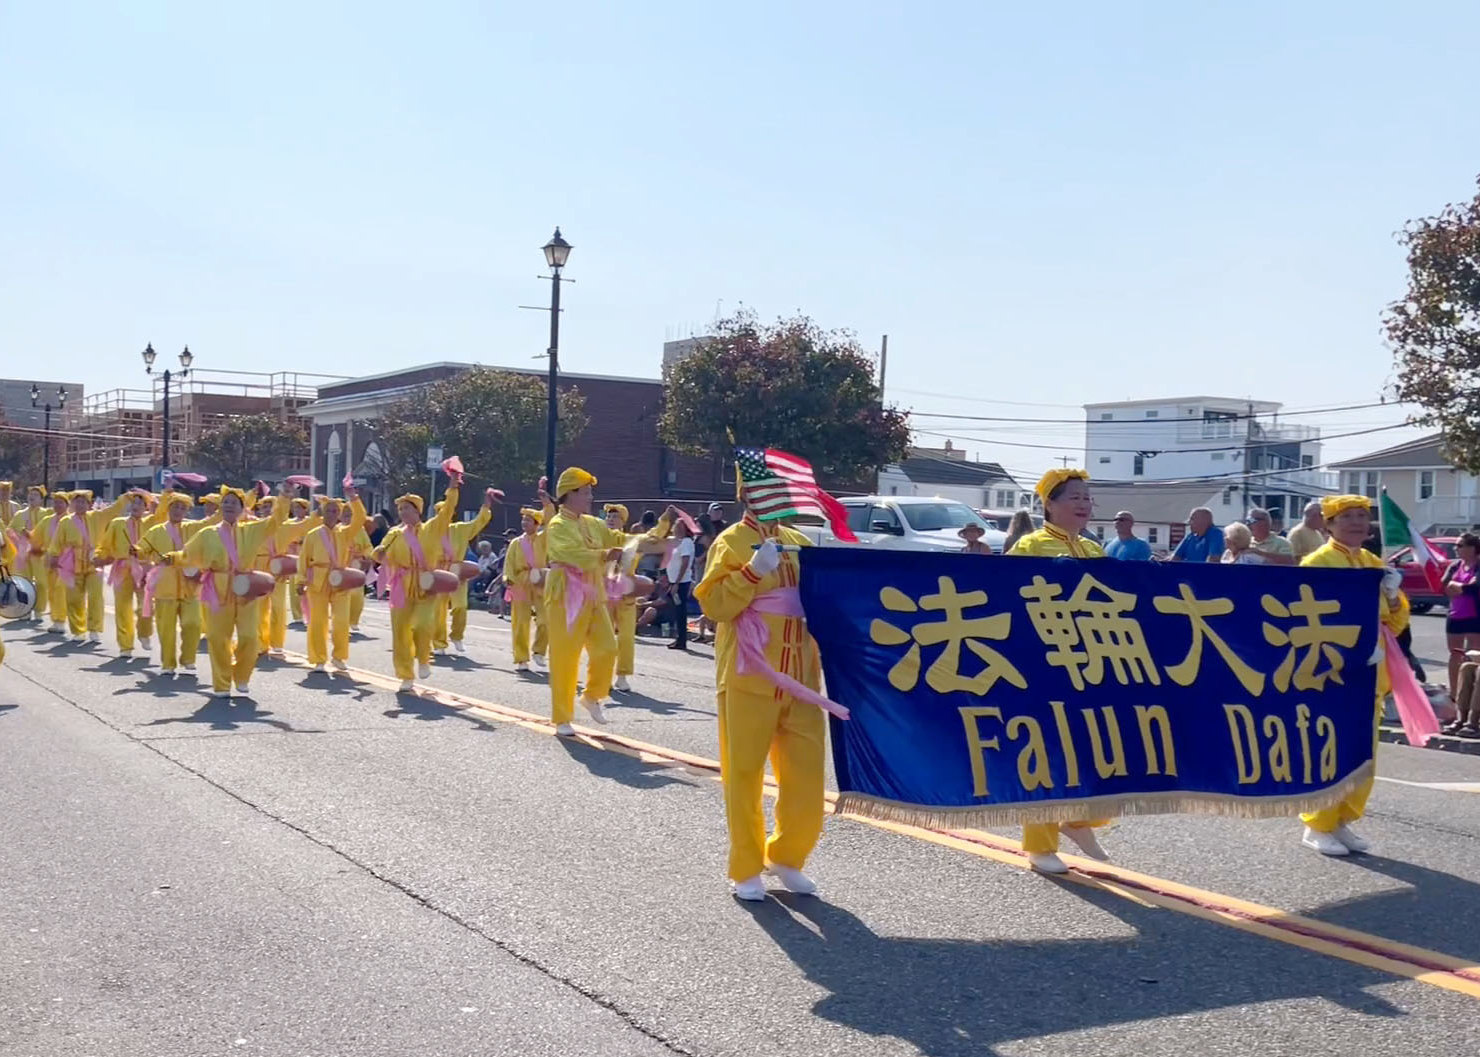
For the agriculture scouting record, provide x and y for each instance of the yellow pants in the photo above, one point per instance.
(793, 735)
(36, 569)
(411, 635)
(128, 606)
(592, 632)
(356, 607)
(326, 609)
(626, 636)
(56, 597)
(1042, 838)
(272, 623)
(85, 603)
(524, 613)
(457, 604)
(228, 664)
(1354, 805)
(296, 588)
(179, 631)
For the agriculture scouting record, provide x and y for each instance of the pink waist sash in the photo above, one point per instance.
(67, 567)
(752, 637)
(126, 566)
(579, 592)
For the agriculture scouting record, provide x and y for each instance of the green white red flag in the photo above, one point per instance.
(1396, 528)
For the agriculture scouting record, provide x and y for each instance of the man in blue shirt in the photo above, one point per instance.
(1126, 545)
(1203, 542)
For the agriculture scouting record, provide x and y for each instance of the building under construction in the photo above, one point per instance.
(117, 442)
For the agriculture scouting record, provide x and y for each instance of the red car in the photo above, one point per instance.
(1415, 585)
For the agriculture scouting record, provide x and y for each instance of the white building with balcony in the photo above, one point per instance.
(1241, 445)
(1438, 499)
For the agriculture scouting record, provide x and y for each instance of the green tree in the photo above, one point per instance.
(243, 447)
(1434, 330)
(792, 386)
(21, 459)
(494, 420)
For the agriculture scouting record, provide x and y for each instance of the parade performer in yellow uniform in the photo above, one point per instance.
(329, 547)
(455, 545)
(171, 597)
(32, 563)
(220, 553)
(622, 601)
(8, 558)
(578, 547)
(119, 546)
(1348, 519)
(1066, 511)
(284, 542)
(74, 552)
(42, 538)
(409, 550)
(525, 566)
(357, 599)
(9, 508)
(767, 675)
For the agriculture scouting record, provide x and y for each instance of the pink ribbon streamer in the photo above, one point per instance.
(67, 567)
(578, 592)
(752, 637)
(22, 545)
(1414, 711)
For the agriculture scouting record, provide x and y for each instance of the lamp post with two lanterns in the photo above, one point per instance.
(186, 358)
(557, 252)
(46, 429)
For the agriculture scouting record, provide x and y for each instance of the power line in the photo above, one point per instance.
(1155, 451)
(1231, 417)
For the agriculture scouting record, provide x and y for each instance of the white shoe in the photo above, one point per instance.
(340, 666)
(94, 636)
(58, 629)
(407, 687)
(1085, 838)
(457, 646)
(354, 629)
(1353, 842)
(125, 653)
(221, 695)
(793, 880)
(321, 669)
(539, 662)
(277, 652)
(752, 889)
(167, 671)
(1046, 862)
(440, 651)
(79, 638)
(565, 730)
(146, 643)
(597, 713)
(622, 684)
(243, 691)
(1325, 843)
(423, 671)
(522, 666)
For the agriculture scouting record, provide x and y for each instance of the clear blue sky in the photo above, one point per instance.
(1037, 204)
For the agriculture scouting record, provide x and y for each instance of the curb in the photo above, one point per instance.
(1442, 742)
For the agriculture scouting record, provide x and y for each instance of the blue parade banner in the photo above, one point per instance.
(993, 690)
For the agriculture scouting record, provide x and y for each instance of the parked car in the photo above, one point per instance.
(1415, 585)
(911, 523)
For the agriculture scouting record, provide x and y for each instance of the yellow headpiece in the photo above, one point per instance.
(415, 500)
(37, 488)
(1332, 505)
(81, 493)
(300, 504)
(65, 497)
(1051, 480)
(327, 504)
(210, 499)
(536, 516)
(241, 496)
(174, 499)
(616, 508)
(7, 485)
(571, 479)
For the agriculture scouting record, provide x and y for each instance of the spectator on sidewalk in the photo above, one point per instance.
(1126, 545)
(972, 533)
(717, 518)
(1020, 526)
(1275, 550)
(1237, 549)
(681, 574)
(1308, 536)
(1204, 540)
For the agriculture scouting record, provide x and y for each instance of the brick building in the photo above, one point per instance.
(620, 444)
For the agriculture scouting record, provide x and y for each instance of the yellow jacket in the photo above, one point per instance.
(579, 541)
(395, 554)
(460, 533)
(286, 537)
(26, 522)
(350, 543)
(81, 533)
(206, 552)
(123, 534)
(1051, 542)
(727, 590)
(8, 510)
(46, 531)
(1333, 555)
(172, 583)
(517, 568)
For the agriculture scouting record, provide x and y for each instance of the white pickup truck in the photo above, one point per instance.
(910, 523)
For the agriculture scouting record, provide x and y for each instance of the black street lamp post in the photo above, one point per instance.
(557, 252)
(46, 428)
(186, 358)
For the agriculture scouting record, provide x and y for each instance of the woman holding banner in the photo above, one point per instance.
(1066, 512)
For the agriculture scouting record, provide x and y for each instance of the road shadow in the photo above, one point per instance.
(635, 699)
(219, 713)
(458, 662)
(619, 767)
(953, 998)
(157, 684)
(8, 708)
(117, 665)
(336, 685)
(1423, 913)
(431, 710)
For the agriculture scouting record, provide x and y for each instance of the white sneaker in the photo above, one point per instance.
(539, 661)
(622, 684)
(1353, 842)
(94, 636)
(1088, 843)
(407, 687)
(125, 653)
(146, 643)
(423, 671)
(522, 666)
(752, 889)
(78, 638)
(597, 713)
(320, 669)
(340, 666)
(457, 646)
(565, 730)
(244, 691)
(354, 629)
(440, 651)
(1047, 862)
(276, 652)
(221, 695)
(1325, 843)
(793, 880)
(58, 629)
(167, 671)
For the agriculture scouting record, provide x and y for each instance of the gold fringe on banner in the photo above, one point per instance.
(1174, 802)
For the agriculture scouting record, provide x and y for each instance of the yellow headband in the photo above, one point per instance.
(210, 499)
(175, 499)
(415, 500)
(37, 488)
(81, 493)
(1332, 505)
(1051, 480)
(300, 504)
(65, 497)
(327, 504)
(617, 508)
(571, 479)
(241, 496)
(7, 484)
(534, 515)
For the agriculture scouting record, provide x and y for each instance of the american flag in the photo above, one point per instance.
(777, 485)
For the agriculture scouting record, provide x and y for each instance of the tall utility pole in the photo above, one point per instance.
(883, 365)
(1249, 428)
(46, 429)
(186, 358)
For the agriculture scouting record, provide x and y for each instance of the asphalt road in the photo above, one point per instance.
(336, 869)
